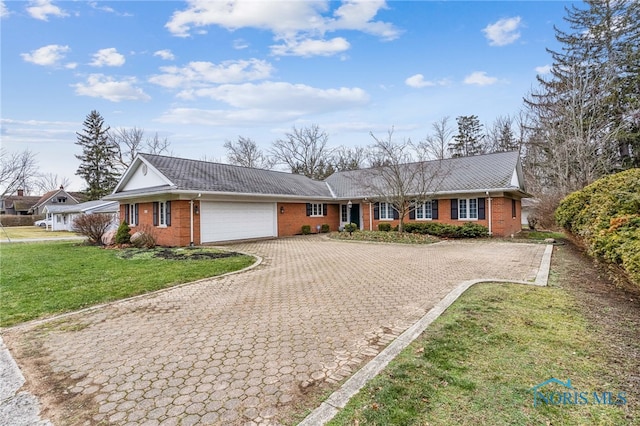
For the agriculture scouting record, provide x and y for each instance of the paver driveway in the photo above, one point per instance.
(240, 349)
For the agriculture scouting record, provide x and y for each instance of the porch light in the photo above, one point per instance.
(196, 209)
(349, 205)
(281, 209)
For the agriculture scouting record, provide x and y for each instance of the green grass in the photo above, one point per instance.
(477, 364)
(541, 235)
(31, 232)
(41, 279)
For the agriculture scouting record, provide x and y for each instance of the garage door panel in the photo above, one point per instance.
(226, 221)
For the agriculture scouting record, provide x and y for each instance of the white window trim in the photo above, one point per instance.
(316, 210)
(344, 213)
(423, 207)
(162, 214)
(388, 208)
(467, 209)
(132, 215)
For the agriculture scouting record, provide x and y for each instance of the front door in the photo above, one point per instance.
(355, 214)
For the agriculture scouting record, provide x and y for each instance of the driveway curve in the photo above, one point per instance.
(242, 349)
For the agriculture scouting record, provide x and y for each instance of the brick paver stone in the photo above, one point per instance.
(236, 349)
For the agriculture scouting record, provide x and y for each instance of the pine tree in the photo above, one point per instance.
(469, 140)
(98, 159)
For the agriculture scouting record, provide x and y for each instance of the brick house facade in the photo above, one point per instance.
(188, 202)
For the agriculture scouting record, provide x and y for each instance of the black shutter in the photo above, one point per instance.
(155, 213)
(412, 211)
(324, 210)
(126, 213)
(454, 208)
(481, 209)
(308, 209)
(135, 214)
(168, 212)
(396, 213)
(434, 209)
(376, 211)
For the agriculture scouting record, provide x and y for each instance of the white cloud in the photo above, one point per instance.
(311, 47)
(240, 44)
(202, 74)
(101, 86)
(266, 102)
(107, 57)
(418, 81)
(165, 54)
(42, 9)
(544, 69)
(50, 55)
(503, 32)
(4, 12)
(294, 20)
(480, 78)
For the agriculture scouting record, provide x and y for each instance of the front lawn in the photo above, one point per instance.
(41, 279)
(31, 232)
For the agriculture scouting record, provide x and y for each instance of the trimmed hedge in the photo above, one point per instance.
(606, 217)
(19, 220)
(444, 230)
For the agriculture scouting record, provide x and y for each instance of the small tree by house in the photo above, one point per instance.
(123, 235)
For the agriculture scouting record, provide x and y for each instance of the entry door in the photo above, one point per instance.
(355, 214)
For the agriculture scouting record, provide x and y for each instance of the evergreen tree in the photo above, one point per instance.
(98, 159)
(469, 140)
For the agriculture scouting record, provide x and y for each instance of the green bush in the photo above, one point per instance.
(350, 227)
(606, 217)
(19, 220)
(306, 229)
(444, 230)
(325, 228)
(384, 227)
(123, 235)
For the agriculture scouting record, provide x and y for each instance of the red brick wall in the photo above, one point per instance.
(179, 233)
(295, 215)
(503, 224)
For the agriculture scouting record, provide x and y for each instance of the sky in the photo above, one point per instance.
(200, 73)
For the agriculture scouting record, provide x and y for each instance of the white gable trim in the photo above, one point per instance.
(141, 174)
(515, 181)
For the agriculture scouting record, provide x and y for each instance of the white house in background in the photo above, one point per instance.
(62, 216)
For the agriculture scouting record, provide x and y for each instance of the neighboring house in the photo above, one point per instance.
(56, 197)
(19, 204)
(529, 206)
(62, 216)
(194, 202)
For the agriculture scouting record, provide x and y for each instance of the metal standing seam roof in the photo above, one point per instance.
(475, 173)
(195, 175)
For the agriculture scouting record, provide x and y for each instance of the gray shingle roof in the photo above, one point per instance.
(96, 206)
(480, 172)
(203, 176)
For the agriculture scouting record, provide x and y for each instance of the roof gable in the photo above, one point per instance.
(52, 196)
(142, 174)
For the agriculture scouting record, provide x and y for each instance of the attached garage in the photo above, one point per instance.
(227, 221)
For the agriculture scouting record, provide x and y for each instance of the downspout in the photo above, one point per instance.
(191, 223)
(489, 200)
(370, 218)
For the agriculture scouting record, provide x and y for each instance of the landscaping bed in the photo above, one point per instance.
(385, 237)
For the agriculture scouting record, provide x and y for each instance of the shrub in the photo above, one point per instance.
(532, 221)
(19, 220)
(144, 237)
(606, 217)
(306, 229)
(350, 227)
(467, 230)
(325, 228)
(384, 227)
(92, 226)
(123, 235)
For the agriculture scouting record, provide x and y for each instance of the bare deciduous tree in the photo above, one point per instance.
(131, 141)
(245, 152)
(501, 137)
(45, 182)
(305, 152)
(401, 181)
(436, 145)
(349, 158)
(17, 170)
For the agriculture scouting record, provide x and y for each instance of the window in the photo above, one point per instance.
(131, 214)
(467, 208)
(344, 216)
(513, 209)
(162, 213)
(315, 209)
(386, 211)
(424, 211)
(62, 199)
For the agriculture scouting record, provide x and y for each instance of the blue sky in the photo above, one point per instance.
(203, 72)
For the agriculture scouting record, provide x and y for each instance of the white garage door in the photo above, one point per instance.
(225, 221)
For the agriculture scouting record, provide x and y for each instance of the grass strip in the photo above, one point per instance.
(477, 364)
(41, 279)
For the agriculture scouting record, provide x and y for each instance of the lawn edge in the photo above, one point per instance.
(37, 322)
(339, 399)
